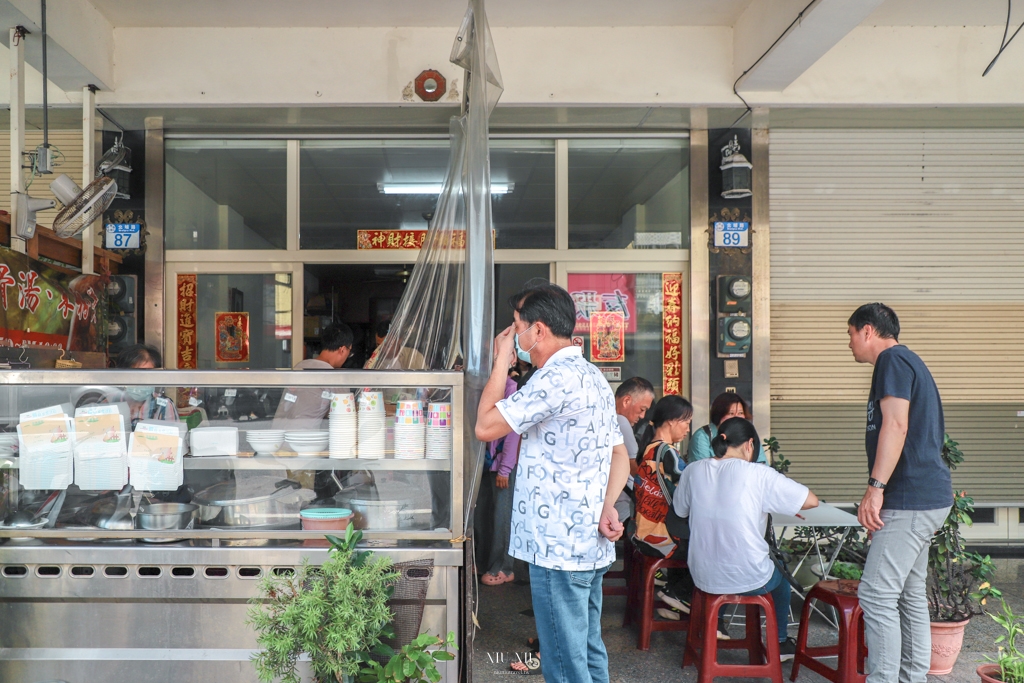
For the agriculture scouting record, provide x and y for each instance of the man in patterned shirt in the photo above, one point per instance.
(572, 467)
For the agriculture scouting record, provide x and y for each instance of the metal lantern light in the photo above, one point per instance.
(735, 171)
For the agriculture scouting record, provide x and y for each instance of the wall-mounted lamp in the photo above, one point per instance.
(735, 172)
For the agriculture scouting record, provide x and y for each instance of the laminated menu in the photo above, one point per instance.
(154, 458)
(45, 440)
(101, 452)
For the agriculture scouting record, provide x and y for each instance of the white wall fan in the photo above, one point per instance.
(80, 208)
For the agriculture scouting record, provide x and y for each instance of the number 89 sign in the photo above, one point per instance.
(122, 235)
(732, 234)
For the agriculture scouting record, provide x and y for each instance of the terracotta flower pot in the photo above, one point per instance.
(989, 673)
(947, 639)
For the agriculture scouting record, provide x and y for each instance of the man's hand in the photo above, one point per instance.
(501, 481)
(610, 526)
(868, 514)
(504, 348)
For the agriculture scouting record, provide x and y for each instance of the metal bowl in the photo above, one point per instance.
(157, 516)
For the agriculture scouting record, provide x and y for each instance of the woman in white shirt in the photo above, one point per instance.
(727, 499)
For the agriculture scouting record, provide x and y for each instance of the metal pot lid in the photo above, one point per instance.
(393, 492)
(245, 492)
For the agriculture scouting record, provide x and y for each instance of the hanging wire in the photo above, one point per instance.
(1005, 43)
(758, 61)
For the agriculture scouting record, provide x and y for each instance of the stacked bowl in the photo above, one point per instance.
(307, 441)
(439, 431)
(342, 426)
(371, 431)
(409, 434)
(265, 441)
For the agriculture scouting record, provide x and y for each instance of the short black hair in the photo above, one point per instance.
(669, 408)
(634, 386)
(382, 328)
(734, 432)
(139, 353)
(724, 402)
(882, 318)
(336, 336)
(547, 303)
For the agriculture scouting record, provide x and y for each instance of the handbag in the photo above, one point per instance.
(678, 527)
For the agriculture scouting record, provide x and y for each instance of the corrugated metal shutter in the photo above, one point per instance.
(69, 142)
(931, 223)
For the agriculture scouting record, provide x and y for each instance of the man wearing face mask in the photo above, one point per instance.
(572, 466)
(145, 403)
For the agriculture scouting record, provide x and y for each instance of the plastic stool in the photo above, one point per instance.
(702, 642)
(640, 594)
(851, 651)
(627, 557)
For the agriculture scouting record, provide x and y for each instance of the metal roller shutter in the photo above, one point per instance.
(69, 142)
(931, 223)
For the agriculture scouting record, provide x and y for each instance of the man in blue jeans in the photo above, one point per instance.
(908, 496)
(572, 467)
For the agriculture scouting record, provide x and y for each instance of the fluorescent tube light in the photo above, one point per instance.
(434, 188)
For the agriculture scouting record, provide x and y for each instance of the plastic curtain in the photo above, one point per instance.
(445, 317)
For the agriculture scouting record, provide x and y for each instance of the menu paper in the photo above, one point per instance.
(45, 439)
(154, 458)
(101, 454)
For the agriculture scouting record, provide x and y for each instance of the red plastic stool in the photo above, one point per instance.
(624, 574)
(702, 642)
(640, 595)
(851, 651)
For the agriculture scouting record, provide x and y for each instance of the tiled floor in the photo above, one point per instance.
(506, 622)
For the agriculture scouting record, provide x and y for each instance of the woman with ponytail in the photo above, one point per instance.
(728, 499)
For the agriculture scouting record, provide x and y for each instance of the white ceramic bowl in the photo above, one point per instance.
(309, 446)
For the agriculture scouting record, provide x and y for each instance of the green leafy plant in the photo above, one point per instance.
(1010, 659)
(779, 462)
(336, 613)
(413, 663)
(845, 570)
(958, 580)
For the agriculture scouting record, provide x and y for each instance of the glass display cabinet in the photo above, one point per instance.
(150, 502)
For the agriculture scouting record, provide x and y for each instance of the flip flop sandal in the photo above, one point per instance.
(491, 580)
(533, 643)
(530, 667)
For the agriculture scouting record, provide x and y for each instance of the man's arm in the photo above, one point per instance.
(891, 437)
(810, 502)
(611, 527)
(490, 423)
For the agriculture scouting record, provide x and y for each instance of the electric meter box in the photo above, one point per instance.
(734, 335)
(734, 293)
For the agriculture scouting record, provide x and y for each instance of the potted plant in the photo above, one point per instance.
(1008, 666)
(413, 663)
(958, 585)
(337, 613)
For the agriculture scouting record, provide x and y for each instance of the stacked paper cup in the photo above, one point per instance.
(372, 434)
(409, 434)
(439, 431)
(342, 426)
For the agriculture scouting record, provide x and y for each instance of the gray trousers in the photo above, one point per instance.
(500, 560)
(892, 595)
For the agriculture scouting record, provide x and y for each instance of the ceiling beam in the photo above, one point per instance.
(80, 46)
(772, 47)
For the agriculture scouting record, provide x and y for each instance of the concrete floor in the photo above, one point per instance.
(506, 621)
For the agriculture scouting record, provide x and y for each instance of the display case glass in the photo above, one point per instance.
(200, 457)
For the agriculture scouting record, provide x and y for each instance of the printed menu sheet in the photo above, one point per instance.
(154, 458)
(45, 439)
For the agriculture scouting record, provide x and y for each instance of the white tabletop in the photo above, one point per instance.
(823, 515)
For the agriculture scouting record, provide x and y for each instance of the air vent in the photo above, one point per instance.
(82, 572)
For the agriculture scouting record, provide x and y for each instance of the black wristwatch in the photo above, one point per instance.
(874, 482)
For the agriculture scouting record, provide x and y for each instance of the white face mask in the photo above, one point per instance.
(521, 353)
(139, 394)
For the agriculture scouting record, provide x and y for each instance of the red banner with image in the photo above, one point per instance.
(672, 333)
(597, 292)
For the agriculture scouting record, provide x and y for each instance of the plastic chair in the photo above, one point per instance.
(702, 642)
(640, 595)
(850, 650)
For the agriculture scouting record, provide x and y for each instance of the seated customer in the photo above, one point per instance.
(145, 403)
(725, 406)
(728, 499)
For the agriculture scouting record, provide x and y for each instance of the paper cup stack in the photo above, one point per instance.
(439, 431)
(342, 426)
(409, 431)
(371, 430)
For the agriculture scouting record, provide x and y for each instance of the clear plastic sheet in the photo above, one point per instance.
(445, 318)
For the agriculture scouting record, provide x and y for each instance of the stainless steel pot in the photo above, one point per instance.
(373, 510)
(159, 516)
(266, 502)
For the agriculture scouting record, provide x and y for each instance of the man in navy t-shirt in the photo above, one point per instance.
(908, 496)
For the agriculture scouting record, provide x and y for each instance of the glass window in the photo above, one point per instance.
(266, 301)
(225, 194)
(633, 340)
(509, 279)
(629, 194)
(352, 185)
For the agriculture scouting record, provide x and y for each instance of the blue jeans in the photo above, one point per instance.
(567, 608)
(781, 594)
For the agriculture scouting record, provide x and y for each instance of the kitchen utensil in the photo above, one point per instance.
(159, 516)
(256, 501)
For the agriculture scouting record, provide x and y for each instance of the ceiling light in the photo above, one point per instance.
(434, 188)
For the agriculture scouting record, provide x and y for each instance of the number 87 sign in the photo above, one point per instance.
(122, 235)
(732, 234)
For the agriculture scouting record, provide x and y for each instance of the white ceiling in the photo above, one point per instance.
(323, 13)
